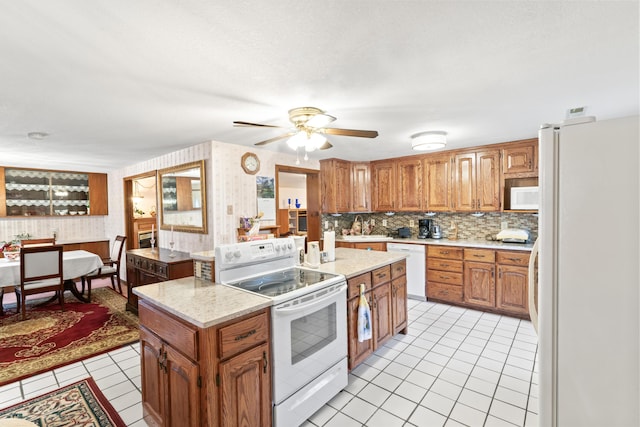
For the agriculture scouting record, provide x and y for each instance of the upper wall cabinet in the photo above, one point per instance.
(437, 183)
(409, 184)
(476, 181)
(520, 159)
(31, 192)
(383, 183)
(360, 187)
(335, 185)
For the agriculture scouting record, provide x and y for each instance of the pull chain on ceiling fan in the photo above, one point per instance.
(310, 130)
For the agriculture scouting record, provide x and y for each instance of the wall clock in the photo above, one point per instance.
(250, 163)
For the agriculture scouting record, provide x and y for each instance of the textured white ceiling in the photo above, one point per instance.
(115, 82)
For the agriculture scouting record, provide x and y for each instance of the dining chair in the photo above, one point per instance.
(111, 267)
(28, 243)
(40, 271)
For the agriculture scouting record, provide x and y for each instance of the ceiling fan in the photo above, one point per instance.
(310, 130)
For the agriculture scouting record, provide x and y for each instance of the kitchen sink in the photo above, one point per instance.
(366, 238)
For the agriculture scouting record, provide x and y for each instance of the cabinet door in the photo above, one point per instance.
(360, 187)
(409, 181)
(512, 291)
(181, 390)
(3, 194)
(437, 183)
(383, 178)
(520, 159)
(382, 315)
(151, 377)
(358, 351)
(245, 389)
(464, 182)
(399, 298)
(335, 187)
(479, 284)
(488, 181)
(98, 194)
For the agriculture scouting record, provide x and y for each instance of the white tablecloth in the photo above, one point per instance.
(75, 264)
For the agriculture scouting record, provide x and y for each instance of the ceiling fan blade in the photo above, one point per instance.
(239, 123)
(350, 132)
(270, 140)
(325, 146)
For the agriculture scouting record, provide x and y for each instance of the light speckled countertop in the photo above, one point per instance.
(200, 302)
(352, 262)
(488, 244)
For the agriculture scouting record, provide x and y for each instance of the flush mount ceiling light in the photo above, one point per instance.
(430, 140)
(37, 135)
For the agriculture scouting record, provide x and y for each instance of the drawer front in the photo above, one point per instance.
(161, 270)
(242, 335)
(131, 260)
(444, 277)
(180, 336)
(354, 284)
(445, 265)
(444, 292)
(444, 252)
(513, 258)
(480, 255)
(380, 275)
(398, 269)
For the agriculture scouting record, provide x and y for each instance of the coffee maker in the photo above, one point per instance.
(424, 228)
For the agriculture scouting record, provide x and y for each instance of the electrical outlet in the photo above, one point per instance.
(326, 224)
(384, 222)
(335, 223)
(229, 209)
(504, 225)
(411, 223)
(373, 222)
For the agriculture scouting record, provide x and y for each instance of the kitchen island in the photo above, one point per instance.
(199, 340)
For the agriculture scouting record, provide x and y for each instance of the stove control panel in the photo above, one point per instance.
(250, 252)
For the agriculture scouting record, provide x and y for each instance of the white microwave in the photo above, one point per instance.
(524, 198)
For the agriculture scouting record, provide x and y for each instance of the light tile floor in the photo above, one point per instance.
(456, 367)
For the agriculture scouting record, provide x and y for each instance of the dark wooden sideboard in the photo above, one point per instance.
(145, 267)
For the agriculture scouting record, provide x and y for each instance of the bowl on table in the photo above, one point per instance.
(12, 255)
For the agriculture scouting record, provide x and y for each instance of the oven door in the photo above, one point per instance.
(309, 337)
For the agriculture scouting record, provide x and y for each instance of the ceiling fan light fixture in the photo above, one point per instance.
(309, 141)
(429, 140)
(319, 121)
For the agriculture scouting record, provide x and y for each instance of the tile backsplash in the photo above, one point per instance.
(469, 227)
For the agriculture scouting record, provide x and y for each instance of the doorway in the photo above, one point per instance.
(312, 203)
(140, 205)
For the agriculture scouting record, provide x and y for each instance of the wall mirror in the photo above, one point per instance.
(183, 198)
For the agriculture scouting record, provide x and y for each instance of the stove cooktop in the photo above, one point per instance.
(282, 282)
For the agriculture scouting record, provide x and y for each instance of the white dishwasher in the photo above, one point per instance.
(416, 268)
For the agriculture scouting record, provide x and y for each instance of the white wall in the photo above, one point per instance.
(226, 182)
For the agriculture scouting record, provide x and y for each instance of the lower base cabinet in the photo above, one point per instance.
(218, 376)
(386, 293)
(484, 279)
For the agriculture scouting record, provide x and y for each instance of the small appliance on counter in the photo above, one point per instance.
(513, 235)
(436, 232)
(313, 254)
(404, 232)
(424, 228)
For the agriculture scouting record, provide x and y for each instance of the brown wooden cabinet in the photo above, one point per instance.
(360, 187)
(217, 376)
(512, 286)
(145, 267)
(335, 185)
(385, 291)
(479, 283)
(437, 183)
(98, 194)
(520, 159)
(383, 183)
(409, 184)
(444, 274)
(370, 246)
(476, 181)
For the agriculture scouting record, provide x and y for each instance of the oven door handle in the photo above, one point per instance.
(313, 303)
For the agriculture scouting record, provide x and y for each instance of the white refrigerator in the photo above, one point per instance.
(589, 273)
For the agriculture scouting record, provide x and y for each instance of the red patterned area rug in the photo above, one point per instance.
(50, 338)
(79, 404)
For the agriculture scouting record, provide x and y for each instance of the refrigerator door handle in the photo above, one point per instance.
(533, 311)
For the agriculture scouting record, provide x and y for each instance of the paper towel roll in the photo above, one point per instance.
(329, 245)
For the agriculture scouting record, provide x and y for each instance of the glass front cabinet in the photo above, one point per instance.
(30, 192)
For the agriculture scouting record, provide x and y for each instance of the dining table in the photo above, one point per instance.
(75, 264)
